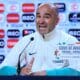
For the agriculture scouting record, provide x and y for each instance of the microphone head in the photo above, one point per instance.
(32, 38)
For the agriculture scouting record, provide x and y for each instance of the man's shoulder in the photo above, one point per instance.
(67, 37)
(65, 34)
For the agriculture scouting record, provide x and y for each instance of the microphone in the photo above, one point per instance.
(19, 66)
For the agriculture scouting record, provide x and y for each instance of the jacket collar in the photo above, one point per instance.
(49, 36)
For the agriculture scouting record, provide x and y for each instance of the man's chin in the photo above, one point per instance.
(42, 32)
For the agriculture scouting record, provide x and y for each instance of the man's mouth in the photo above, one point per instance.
(42, 27)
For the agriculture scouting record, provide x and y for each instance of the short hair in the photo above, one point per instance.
(52, 5)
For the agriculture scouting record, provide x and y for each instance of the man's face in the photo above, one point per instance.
(46, 19)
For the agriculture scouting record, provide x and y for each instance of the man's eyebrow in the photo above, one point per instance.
(48, 14)
(37, 13)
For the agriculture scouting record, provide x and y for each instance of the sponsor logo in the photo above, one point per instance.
(28, 7)
(13, 8)
(2, 43)
(13, 18)
(1, 8)
(74, 32)
(11, 42)
(13, 33)
(74, 17)
(28, 17)
(28, 31)
(2, 57)
(2, 33)
(74, 6)
(61, 7)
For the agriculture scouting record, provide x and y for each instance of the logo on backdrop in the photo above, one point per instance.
(2, 57)
(28, 7)
(13, 33)
(61, 7)
(28, 17)
(28, 31)
(75, 32)
(2, 43)
(74, 17)
(1, 8)
(13, 18)
(2, 33)
(74, 6)
(13, 7)
(11, 42)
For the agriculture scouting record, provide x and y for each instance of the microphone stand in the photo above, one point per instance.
(18, 65)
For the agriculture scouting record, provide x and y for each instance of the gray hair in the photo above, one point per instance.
(52, 5)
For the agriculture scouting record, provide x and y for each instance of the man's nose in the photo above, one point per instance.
(41, 20)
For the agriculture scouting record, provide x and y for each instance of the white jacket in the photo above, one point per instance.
(42, 49)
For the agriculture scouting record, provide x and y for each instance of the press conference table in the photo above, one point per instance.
(9, 73)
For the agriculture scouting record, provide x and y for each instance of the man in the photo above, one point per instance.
(39, 53)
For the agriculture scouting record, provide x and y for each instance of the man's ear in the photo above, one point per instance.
(57, 20)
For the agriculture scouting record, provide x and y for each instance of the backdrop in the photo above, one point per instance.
(17, 19)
